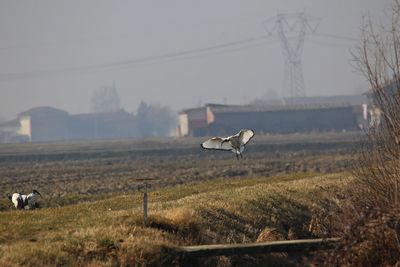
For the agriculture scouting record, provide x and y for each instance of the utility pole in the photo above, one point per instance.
(291, 30)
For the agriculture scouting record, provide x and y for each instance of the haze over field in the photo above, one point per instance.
(58, 53)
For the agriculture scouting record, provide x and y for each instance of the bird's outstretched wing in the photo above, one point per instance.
(217, 143)
(245, 136)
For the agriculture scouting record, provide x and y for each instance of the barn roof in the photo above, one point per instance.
(335, 99)
(42, 111)
(115, 115)
(234, 109)
(188, 110)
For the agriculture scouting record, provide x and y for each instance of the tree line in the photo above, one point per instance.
(150, 120)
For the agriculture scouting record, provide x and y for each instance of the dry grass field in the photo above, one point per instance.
(91, 211)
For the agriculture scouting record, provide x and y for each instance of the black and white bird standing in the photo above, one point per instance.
(29, 201)
(234, 143)
(17, 200)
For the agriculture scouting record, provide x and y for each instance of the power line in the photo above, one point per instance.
(348, 46)
(240, 44)
(185, 54)
(57, 44)
(224, 51)
(338, 37)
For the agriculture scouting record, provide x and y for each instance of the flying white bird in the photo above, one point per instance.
(17, 200)
(235, 143)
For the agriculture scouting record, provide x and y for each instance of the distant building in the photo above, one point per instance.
(389, 97)
(193, 122)
(43, 124)
(12, 132)
(215, 119)
(282, 119)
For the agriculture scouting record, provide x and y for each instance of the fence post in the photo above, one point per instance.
(146, 183)
(145, 204)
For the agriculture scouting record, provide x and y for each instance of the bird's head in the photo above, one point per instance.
(9, 197)
(36, 192)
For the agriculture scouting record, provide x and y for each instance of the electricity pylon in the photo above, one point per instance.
(291, 30)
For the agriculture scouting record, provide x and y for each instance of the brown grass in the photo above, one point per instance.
(110, 232)
(91, 212)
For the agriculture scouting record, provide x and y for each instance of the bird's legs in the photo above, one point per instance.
(238, 154)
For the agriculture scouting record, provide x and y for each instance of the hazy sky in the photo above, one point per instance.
(57, 53)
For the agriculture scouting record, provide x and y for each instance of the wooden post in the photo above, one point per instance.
(146, 183)
(145, 204)
(189, 253)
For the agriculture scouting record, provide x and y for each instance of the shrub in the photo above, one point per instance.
(369, 215)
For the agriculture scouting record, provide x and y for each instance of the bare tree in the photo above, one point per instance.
(155, 120)
(368, 216)
(105, 99)
(378, 59)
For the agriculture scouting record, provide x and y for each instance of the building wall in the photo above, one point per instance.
(183, 124)
(117, 125)
(48, 124)
(210, 116)
(104, 126)
(49, 127)
(26, 128)
(285, 121)
(193, 122)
